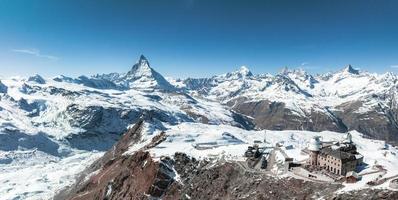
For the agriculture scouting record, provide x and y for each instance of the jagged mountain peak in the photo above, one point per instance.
(285, 70)
(349, 69)
(37, 79)
(242, 72)
(297, 71)
(141, 67)
(143, 58)
(143, 76)
(3, 88)
(143, 61)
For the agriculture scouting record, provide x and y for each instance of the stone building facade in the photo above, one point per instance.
(338, 158)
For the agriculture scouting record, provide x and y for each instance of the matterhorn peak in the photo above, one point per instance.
(349, 69)
(143, 60)
(142, 75)
(142, 67)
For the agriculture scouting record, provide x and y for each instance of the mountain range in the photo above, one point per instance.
(64, 124)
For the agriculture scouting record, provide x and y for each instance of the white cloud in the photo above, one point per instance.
(35, 52)
(394, 66)
(307, 66)
(304, 63)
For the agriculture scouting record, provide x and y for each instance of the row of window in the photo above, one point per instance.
(334, 170)
(327, 160)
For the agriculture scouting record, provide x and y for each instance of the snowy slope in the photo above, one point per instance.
(229, 143)
(50, 129)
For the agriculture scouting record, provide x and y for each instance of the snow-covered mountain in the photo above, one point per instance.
(61, 124)
(50, 129)
(141, 77)
(348, 99)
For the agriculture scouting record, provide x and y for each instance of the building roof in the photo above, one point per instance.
(337, 153)
(353, 174)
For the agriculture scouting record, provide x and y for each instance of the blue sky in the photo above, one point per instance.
(195, 38)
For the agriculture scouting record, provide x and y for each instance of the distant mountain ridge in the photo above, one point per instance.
(294, 99)
(344, 100)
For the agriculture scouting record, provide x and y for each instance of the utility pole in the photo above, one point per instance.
(265, 137)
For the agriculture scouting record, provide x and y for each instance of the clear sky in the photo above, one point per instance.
(196, 38)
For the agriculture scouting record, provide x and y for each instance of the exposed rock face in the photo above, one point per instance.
(275, 116)
(379, 122)
(3, 88)
(37, 79)
(96, 83)
(351, 70)
(139, 177)
(367, 194)
(119, 176)
(227, 181)
(112, 120)
(128, 177)
(33, 108)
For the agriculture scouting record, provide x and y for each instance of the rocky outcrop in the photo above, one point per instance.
(367, 194)
(226, 180)
(275, 116)
(139, 177)
(379, 122)
(37, 79)
(128, 177)
(113, 120)
(3, 88)
(118, 175)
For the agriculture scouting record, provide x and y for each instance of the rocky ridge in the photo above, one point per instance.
(139, 176)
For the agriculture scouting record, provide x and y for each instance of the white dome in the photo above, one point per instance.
(315, 144)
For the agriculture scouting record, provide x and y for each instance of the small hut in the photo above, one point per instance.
(351, 177)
